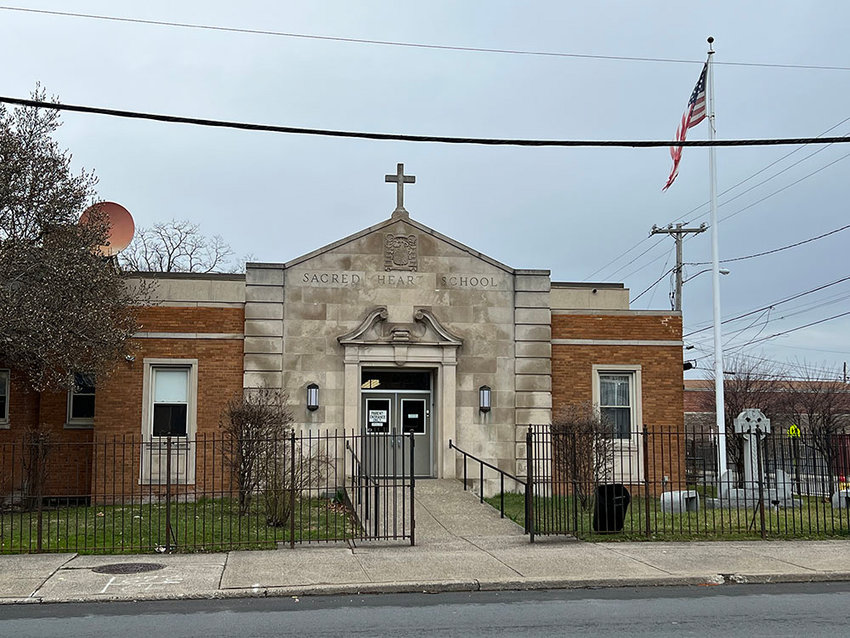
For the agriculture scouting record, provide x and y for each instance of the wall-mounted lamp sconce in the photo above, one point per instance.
(312, 397)
(484, 398)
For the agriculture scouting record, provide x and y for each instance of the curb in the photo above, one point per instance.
(446, 586)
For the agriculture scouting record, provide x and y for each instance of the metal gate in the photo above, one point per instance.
(382, 489)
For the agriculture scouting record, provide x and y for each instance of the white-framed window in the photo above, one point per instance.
(4, 398)
(169, 394)
(81, 399)
(616, 394)
(169, 421)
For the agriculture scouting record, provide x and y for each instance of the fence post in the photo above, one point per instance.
(167, 494)
(481, 481)
(573, 479)
(761, 482)
(377, 500)
(291, 489)
(529, 487)
(412, 495)
(648, 530)
(40, 473)
(501, 495)
(464, 471)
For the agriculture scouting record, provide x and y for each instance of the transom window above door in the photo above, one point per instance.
(371, 379)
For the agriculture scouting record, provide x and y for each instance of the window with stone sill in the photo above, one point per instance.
(169, 409)
(4, 398)
(616, 393)
(81, 398)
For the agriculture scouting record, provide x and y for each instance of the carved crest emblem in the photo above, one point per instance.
(400, 252)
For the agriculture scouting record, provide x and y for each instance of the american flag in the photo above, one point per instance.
(693, 115)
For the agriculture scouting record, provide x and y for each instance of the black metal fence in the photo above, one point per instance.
(122, 494)
(468, 477)
(651, 485)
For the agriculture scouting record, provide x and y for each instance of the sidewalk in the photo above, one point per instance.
(461, 546)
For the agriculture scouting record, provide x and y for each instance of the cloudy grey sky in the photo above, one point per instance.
(583, 213)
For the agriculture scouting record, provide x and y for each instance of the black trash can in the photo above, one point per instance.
(609, 511)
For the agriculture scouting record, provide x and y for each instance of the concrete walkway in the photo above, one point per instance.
(462, 545)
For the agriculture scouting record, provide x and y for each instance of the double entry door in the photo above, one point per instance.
(389, 418)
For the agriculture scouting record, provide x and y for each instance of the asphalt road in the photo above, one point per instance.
(729, 610)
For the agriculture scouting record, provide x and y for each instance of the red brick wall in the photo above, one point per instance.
(76, 466)
(661, 376)
(179, 319)
(118, 418)
(69, 459)
(633, 327)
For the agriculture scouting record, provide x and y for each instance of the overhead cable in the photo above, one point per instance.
(399, 137)
(728, 190)
(771, 305)
(775, 250)
(412, 45)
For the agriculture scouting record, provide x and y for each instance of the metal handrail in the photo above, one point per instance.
(356, 459)
(502, 474)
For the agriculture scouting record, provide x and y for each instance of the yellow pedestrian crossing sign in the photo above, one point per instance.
(794, 431)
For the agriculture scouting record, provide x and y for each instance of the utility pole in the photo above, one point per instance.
(677, 232)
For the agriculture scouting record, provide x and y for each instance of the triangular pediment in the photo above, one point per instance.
(400, 224)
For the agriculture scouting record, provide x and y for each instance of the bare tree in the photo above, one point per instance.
(256, 423)
(65, 307)
(749, 383)
(819, 402)
(176, 246)
(36, 450)
(582, 449)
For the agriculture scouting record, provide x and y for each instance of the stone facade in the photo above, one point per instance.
(396, 297)
(298, 315)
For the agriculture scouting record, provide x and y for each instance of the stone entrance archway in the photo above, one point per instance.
(423, 344)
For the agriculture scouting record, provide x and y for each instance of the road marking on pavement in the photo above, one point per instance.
(136, 584)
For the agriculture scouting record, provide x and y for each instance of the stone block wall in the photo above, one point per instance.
(533, 366)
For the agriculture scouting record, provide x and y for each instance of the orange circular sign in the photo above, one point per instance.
(121, 226)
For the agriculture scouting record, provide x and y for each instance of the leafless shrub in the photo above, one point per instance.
(583, 450)
(284, 484)
(257, 422)
(749, 383)
(817, 400)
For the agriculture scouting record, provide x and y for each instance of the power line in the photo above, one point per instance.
(786, 187)
(790, 330)
(270, 128)
(792, 312)
(627, 264)
(796, 363)
(740, 210)
(665, 271)
(728, 190)
(775, 250)
(771, 305)
(653, 284)
(413, 45)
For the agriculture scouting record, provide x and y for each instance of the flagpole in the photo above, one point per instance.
(720, 412)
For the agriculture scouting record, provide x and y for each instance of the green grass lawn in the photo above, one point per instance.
(204, 525)
(559, 515)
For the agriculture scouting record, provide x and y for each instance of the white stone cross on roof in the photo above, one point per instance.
(400, 179)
